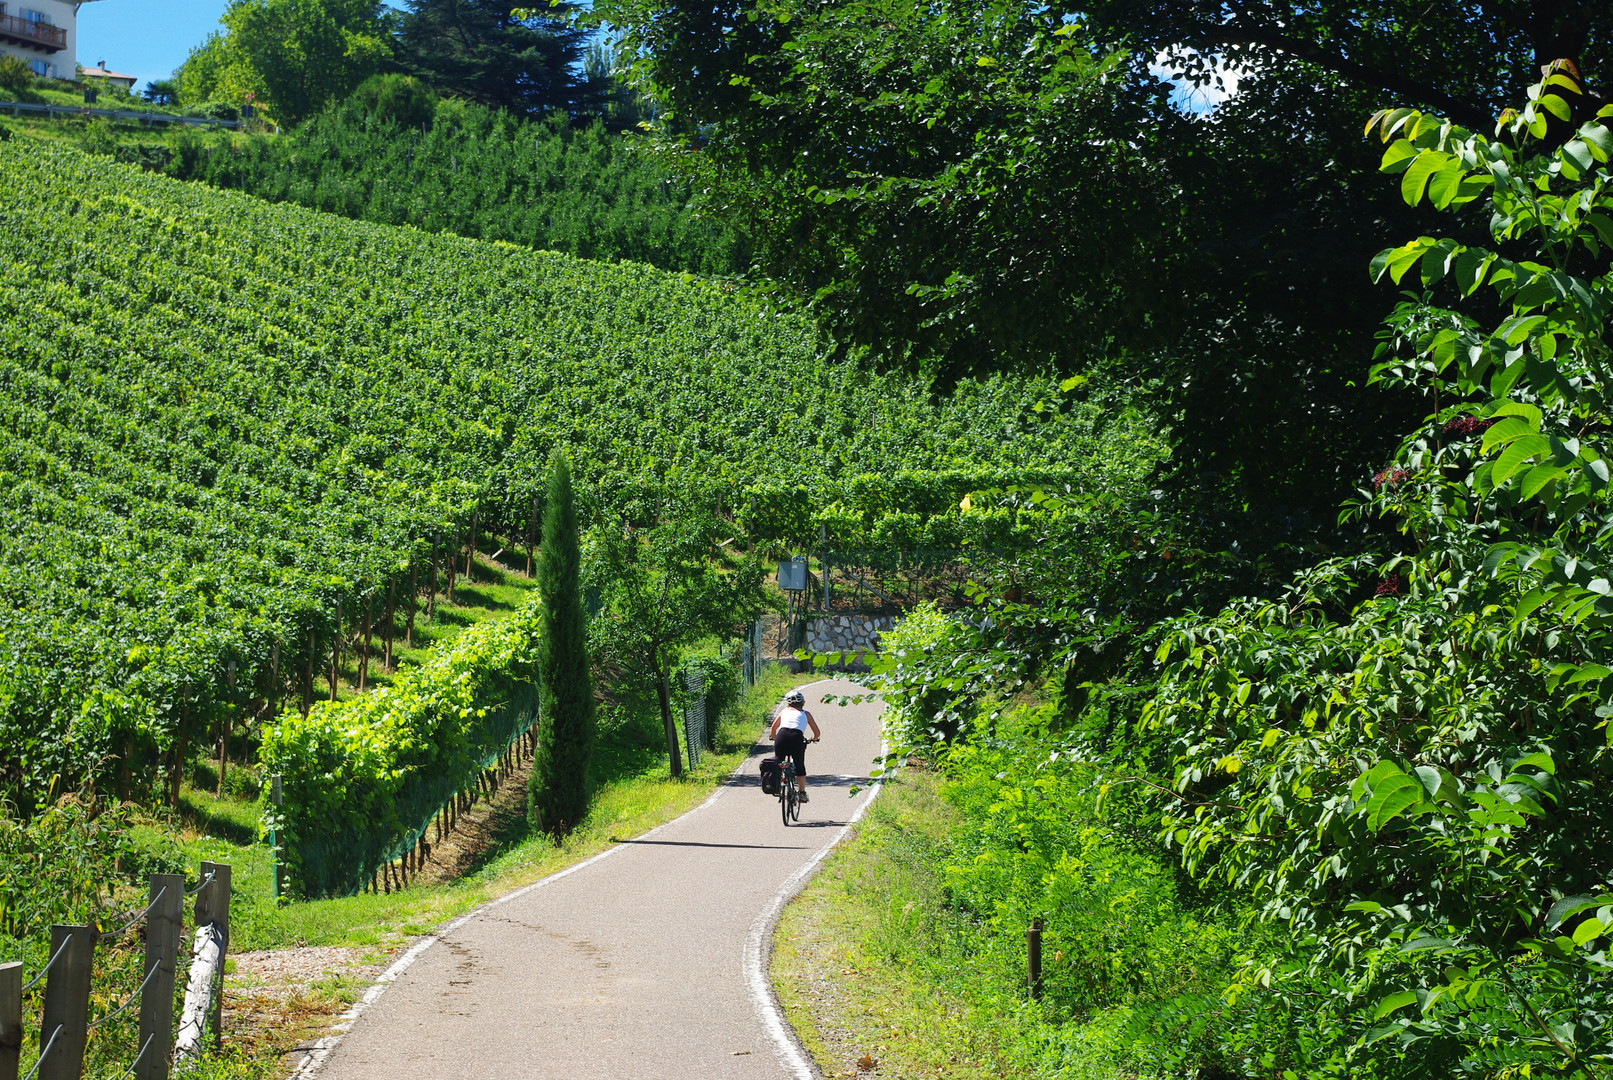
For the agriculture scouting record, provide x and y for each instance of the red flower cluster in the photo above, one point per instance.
(1390, 586)
(1463, 426)
(1390, 477)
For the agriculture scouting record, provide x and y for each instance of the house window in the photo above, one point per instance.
(43, 68)
(36, 16)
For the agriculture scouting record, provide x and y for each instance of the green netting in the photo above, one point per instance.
(342, 857)
(362, 779)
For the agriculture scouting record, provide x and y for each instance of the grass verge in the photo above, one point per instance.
(873, 965)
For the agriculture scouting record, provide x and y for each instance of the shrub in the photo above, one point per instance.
(61, 865)
(14, 74)
(394, 99)
(920, 710)
(362, 779)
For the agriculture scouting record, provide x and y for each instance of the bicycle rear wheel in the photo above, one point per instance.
(786, 795)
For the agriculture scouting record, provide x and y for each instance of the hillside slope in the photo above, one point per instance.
(233, 431)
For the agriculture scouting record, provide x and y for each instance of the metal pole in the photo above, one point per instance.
(823, 556)
(274, 846)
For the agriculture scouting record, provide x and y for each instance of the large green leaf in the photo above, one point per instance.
(1416, 177)
(1517, 455)
(1393, 797)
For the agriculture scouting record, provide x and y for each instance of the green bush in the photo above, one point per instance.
(361, 779)
(60, 866)
(14, 74)
(399, 100)
(920, 709)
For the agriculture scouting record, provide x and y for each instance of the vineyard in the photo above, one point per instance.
(242, 442)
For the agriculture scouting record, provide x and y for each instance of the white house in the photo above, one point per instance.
(43, 32)
(108, 77)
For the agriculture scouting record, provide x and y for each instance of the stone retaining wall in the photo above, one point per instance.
(847, 633)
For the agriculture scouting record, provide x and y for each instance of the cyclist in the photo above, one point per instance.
(789, 736)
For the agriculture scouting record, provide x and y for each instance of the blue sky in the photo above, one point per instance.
(145, 38)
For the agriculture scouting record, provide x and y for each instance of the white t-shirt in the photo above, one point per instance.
(791, 717)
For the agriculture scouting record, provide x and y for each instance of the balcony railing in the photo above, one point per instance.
(27, 32)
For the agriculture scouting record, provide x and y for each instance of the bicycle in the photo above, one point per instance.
(789, 796)
(789, 799)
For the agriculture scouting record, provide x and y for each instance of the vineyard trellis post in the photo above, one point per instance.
(823, 558)
(274, 845)
(164, 925)
(10, 1020)
(64, 1028)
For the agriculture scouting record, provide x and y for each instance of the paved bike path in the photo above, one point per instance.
(649, 961)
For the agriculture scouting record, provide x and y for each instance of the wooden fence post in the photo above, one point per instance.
(65, 1026)
(10, 1020)
(204, 992)
(213, 904)
(164, 928)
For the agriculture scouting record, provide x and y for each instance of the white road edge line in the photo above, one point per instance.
(759, 947)
(317, 1054)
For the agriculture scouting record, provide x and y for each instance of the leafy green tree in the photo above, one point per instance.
(960, 188)
(1406, 762)
(663, 589)
(1401, 48)
(558, 787)
(216, 70)
(294, 56)
(528, 61)
(162, 92)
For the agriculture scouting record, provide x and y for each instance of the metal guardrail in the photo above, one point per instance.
(17, 108)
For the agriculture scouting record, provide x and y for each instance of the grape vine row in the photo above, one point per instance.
(234, 435)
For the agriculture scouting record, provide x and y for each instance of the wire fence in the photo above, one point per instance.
(694, 718)
(65, 1024)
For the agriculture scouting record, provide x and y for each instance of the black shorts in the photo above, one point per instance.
(791, 743)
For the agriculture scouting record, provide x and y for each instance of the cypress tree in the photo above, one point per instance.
(557, 793)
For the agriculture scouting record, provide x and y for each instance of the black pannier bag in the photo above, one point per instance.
(770, 776)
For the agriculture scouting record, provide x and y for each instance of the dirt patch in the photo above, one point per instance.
(282, 972)
(279, 1002)
(492, 821)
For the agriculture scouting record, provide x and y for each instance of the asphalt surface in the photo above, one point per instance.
(633, 965)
